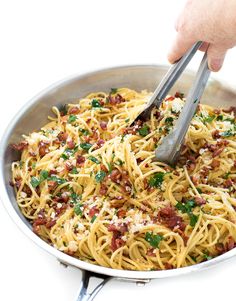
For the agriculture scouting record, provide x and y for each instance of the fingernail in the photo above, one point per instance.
(215, 65)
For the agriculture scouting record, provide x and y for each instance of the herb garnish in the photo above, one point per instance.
(144, 130)
(187, 208)
(99, 177)
(113, 90)
(153, 239)
(157, 179)
(96, 103)
(85, 146)
(72, 118)
(93, 159)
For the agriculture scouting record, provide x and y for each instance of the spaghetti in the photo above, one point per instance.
(89, 185)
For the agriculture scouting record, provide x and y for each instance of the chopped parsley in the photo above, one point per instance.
(207, 256)
(84, 132)
(93, 218)
(72, 118)
(208, 118)
(169, 120)
(187, 208)
(119, 162)
(153, 239)
(77, 209)
(220, 118)
(35, 182)
(199, 190)
(85, 146)
(113, 90)
(110, 167)
(157, 179)
(74, 170)
(67, 153)
(99, 177)
(75, 197)
(226, 176)
(144, 130)
(127, 120)
(59, 181)
(96, 103)
(93, 159)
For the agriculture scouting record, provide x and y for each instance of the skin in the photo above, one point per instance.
(210, 21)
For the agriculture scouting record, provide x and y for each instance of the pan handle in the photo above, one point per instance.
(84, 295)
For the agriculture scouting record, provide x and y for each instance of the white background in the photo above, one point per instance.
(44, 41)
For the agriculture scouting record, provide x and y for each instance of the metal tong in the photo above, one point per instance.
(169, 149)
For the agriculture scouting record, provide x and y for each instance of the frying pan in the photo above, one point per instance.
(34, 115)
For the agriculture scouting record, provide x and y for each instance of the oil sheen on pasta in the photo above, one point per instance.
(89, 185)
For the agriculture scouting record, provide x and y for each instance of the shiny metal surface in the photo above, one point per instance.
(34, 114)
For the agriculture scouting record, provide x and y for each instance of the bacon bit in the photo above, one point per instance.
(171, 98)
(56, 141)
(27, 190)
(50, 223)
(18, 183)
(103, 167)
(215, 163)
(179, 95)
(145, 183)
(217, 152)
(194, 180)
(39, 221)
(92, 211)
(71, 144)
(116, 176)
(63, 198)
(20, 146)
(62, 136)
(220, 248)
(100, 143)
(150, 252)
(133, 129)
(80, 160)
(168, 266)
(103, 189)
(69, 166)
(230, 110)
(216, 134)
(191, 163)
(88, 120)
(183, 235)
(204, 171)
(33, 154)
(52, 172)
(217, 111)
(103, 125)
(199, 201)
(95, 134)
(228, 183)
(73, 110)
(235, 163)
(43, 148)
(52, 185)
(121, 213)
(116, 99)
(170, 219)
(230, 244)
(60, 210)
(116, 242)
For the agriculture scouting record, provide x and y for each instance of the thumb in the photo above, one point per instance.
(216, 55)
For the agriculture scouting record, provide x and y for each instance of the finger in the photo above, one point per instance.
(216, 55)
(180, 46)
(204, 47)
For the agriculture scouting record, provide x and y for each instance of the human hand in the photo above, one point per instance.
(210, 21)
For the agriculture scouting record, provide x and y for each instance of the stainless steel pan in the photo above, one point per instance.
(34, 114)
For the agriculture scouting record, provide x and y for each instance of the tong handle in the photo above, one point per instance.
(168, 81)
(170, 148)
